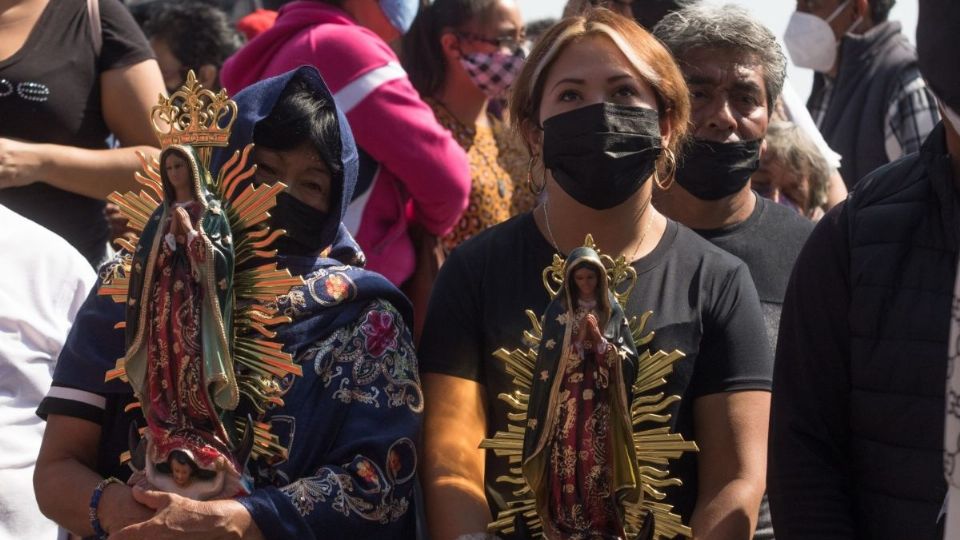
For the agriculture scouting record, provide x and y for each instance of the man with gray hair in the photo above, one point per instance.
(735, 71)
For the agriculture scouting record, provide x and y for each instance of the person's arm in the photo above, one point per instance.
(400, 132)
(64, 479)
(453, 462)
(809, 476)
(730, 388)
(453, 466)
(911, 116)
(127, 95)
(731, 432)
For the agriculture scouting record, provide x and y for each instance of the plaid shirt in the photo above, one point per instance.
(911, 115)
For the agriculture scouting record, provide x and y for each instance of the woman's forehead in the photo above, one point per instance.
(596, 57)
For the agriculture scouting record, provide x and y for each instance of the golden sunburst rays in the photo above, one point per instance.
(265, 443)
(115, 279)
(653, 439)
(204, 119)
(138, 207)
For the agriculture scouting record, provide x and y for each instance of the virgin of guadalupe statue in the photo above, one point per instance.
(178, 358)
(578, 451)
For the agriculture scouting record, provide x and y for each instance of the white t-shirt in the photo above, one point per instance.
(43, 282)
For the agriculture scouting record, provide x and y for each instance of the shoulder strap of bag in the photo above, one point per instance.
(93, 13)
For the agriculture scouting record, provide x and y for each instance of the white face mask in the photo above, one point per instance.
(810, 40)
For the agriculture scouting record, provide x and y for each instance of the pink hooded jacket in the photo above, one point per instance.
(410, 167)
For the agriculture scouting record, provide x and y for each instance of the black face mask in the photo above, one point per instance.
(601, 154)
(304, 225)
(711, 170)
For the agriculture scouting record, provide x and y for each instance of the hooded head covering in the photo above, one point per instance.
(338, 288)
(255, 104)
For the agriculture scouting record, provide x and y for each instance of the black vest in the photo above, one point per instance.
(870, 69)
(903, 235)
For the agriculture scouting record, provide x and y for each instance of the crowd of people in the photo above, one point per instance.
(439, 158)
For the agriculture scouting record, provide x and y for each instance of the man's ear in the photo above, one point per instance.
(763, 148)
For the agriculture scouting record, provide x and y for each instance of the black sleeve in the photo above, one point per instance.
(451, 343)
(123, 42)
(734, 352)
(808, 476)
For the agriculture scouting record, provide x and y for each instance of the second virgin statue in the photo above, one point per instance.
(578, 452)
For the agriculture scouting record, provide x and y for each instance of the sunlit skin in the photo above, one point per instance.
(728, 103)
(593, 71)
(728, 98)
(301, 169)
(181, 472)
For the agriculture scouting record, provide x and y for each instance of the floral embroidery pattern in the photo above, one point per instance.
(360, 487)
(369, 363)
(380, 331)
(337, 287)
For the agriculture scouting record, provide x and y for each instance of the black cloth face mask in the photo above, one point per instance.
(304, 225)
(601, 154)
(712, 170)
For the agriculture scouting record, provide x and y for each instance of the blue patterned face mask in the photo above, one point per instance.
(400, 13)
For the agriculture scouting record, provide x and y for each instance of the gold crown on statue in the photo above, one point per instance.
(194, 115)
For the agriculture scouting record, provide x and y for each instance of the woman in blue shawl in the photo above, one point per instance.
(350, 424)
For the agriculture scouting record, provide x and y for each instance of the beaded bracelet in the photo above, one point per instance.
(95, 503)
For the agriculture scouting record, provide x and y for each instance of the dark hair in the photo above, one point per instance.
(537, 28)
(197, 33)
(649, 12)
(729, 28)
(880, 10)
(421, 53)
(182, 458)
(301, 116)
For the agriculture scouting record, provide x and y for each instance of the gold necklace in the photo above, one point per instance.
(643, 233)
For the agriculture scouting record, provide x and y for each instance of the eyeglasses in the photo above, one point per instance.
(510, 42)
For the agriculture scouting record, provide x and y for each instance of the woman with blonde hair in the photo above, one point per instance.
(602, 108)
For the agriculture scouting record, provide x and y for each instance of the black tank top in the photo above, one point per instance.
(50, 93)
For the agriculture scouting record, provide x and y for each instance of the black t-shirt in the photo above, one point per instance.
(703, 304)
(50, 93)
(769, 241)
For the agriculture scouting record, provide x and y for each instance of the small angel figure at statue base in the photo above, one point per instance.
(578, 453)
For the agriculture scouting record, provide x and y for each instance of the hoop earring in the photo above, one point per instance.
(672, 162)
(536, 190)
